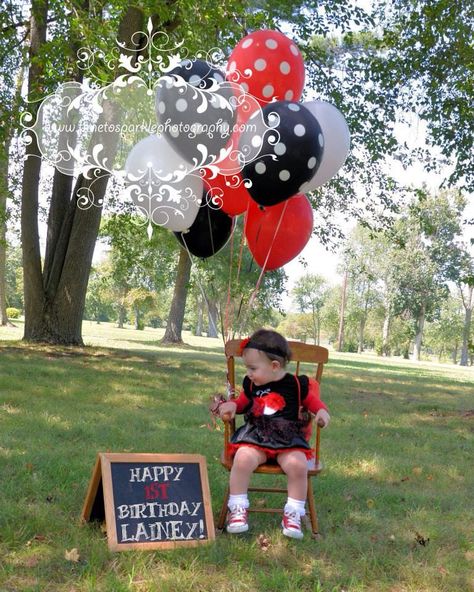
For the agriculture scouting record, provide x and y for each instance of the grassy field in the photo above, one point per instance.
(396, 501)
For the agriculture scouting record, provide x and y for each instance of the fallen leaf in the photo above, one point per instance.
(442, 570)
(72, 555)
(374, 538)
(370, 503)
(429, 477)
(37, 538)
(391, 537)
(417, 470)
(263, 542)
(421, 540)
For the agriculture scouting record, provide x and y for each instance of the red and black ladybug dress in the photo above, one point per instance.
(273, 421)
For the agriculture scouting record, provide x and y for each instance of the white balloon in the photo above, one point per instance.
(337, 140)
(160, 185)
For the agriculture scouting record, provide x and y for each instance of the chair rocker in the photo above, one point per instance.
(301, 353)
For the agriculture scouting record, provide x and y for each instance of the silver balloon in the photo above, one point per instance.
(160, 184)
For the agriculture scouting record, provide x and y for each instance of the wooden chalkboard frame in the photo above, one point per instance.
(99, 502)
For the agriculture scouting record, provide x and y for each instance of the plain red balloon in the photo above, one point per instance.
(284, 244)
(268, 65)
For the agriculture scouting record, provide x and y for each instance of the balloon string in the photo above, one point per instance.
(239, 268)
(264, 266)
(227, 311)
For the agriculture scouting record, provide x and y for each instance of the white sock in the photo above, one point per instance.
(240, 500)
(294, 505)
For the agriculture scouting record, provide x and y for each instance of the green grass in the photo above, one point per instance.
(398, 458)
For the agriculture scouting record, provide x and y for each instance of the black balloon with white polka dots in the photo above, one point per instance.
(292, 146)
(194, 107)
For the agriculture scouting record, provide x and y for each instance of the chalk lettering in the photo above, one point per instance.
(174, 530)
(156, 473)
(157, 510)
(156, 490)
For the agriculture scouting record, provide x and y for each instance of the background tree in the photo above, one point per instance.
(309, 294)
(465, 286)
(140, 301)
(14, 278)
(363, 254)
(12, 55)
(444, 334)
(99, 304)
(427, 258)
(136, 261)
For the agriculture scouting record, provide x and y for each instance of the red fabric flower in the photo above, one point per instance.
(274, 401)
(243, 343)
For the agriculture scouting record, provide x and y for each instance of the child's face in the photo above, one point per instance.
(260, 369)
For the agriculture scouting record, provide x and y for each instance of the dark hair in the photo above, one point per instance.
(272, 344)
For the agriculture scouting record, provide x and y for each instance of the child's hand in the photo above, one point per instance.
(322, 418)
(227, 410)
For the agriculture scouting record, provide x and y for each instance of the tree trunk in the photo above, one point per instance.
(174, 326)
(342, 312)
(468, 302)
(386, 333)
(213, 319)
(33, 282)
(121, 315)
(55, 299)
(454, 353)
(200, 317)
(3, 233)
(360, 347)
(419, 335)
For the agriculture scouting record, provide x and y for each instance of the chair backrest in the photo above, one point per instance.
(300, 353)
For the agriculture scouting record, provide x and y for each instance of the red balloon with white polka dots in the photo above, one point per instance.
(268, 65)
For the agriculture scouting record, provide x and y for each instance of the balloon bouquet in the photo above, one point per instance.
(239, 142)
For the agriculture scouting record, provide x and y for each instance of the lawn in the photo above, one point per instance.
(396, 501)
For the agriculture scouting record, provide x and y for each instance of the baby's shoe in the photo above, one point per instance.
(291, 524)
(237, 520)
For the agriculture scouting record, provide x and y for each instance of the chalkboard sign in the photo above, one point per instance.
(150, 500)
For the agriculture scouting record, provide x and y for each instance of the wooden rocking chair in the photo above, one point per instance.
(301, 352)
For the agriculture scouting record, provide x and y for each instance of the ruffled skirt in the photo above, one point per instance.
(272, 435)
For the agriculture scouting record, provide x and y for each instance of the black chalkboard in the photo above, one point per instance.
(151, 500)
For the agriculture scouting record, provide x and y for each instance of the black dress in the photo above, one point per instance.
(272, 417)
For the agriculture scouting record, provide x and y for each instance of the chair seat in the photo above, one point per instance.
(273, 468)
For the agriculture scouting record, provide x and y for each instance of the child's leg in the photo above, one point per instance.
(295, 466)
(246, 460)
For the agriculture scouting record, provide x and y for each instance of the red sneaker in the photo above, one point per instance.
(237, 520)
(291, 524)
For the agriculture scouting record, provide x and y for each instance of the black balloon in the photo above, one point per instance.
(291, 143)
(209, 232)
(194, 106)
